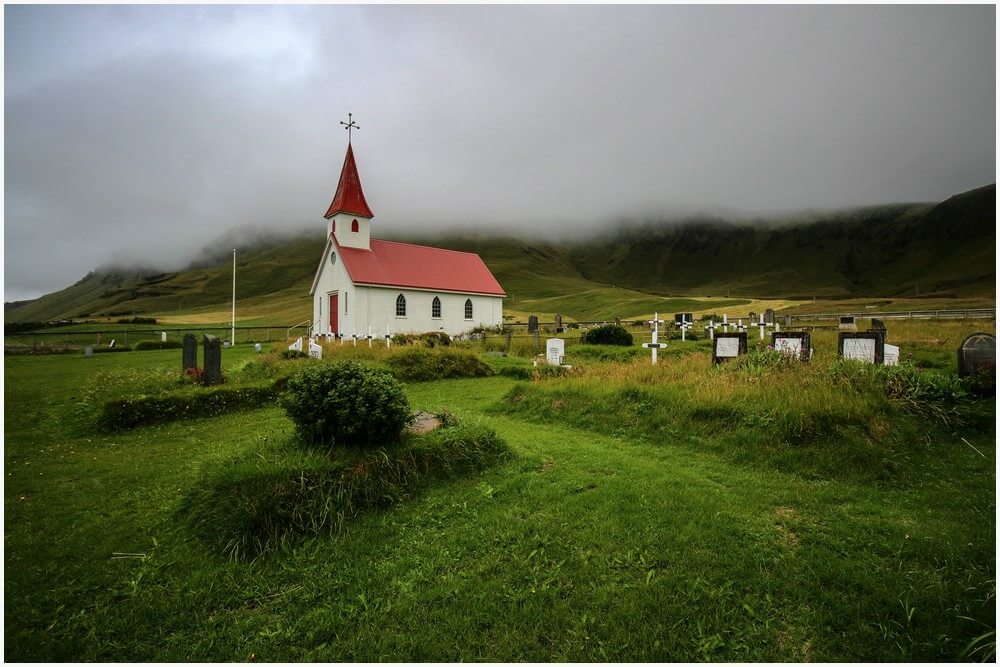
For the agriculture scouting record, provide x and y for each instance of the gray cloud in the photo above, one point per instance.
(139, 134)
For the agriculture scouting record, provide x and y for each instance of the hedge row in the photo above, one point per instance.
(128, 413)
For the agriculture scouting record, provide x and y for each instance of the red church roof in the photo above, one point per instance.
(349, 198)
(421, 267)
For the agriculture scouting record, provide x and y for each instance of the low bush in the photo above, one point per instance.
(540, 372)
(249, 506)
(294, 354)
(421, 365)
(128, 413)
(135, 320)
(346, 405)
(608, 334)
(157, 345)
(428, 339)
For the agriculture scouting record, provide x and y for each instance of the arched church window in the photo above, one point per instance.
(468, 309)
(354, 225)
(436, 308)
(400, 306)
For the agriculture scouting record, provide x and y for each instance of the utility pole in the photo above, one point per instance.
(232, 335)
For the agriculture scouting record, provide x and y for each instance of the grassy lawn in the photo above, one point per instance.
(603, 540)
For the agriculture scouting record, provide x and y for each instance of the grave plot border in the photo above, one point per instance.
(741, 336)
(879, 337)
(803, 336)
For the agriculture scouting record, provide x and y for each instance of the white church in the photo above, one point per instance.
(394, 287)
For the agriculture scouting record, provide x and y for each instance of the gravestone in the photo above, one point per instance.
(618, 321)
(88, 351)
(654, 344)
(890, 355)
(728, 346)
(794, 343)
(558, 323)
(315, 350)
(226, 344)
(111, 345)
(769, 316)
(257, 347)
(977, 354)
(680, 318)
(212, 351)
(163, 336)
(867, 346)
(189, 352)
(847, 323)
(877, 325)
(753, 316)
(788, 320)
(297, 345)
(532, 323)
(555, 350)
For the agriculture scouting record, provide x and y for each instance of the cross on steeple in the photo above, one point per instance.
(349, 125)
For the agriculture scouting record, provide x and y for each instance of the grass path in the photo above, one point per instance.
(586, 547)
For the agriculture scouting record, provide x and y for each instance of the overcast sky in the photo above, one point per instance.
(139, 134)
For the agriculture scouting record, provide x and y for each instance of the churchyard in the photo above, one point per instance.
(768, 507)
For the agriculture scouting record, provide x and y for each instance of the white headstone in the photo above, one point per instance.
(315, 351)
(792, 346)
(111, 344)
(257, 347)
(890, 355)
(555, 350)
(226, 343)
(88, 351)
(727, 347)
(297, 345)
(163, 336)
(860, 349)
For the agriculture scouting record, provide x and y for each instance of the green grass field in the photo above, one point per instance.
(677, 513)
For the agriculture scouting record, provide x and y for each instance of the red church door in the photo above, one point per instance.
(334, 312)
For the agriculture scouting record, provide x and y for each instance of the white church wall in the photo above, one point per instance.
(377, 306)
(333, 278)
(342, 228)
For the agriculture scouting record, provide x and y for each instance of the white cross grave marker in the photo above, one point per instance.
(654, 345)
(369, 335)
(710, 328)
(761, 324)
(684, 326)
(725, 323)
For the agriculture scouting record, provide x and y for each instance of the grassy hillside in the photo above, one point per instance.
(944, 252)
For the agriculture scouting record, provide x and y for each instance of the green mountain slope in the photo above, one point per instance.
(896, 250)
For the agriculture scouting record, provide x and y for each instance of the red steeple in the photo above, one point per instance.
(349, 198)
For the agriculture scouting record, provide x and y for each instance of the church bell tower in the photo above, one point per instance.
(349, 214)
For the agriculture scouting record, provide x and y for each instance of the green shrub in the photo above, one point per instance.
(128, 413)
(157, 345)
(249, 506)
(540, 372)
(346, 405)
(135, 320)
(608, 334)
(421, 365)
(435, 339)
(294, 354)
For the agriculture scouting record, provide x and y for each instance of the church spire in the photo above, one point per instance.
(350, 198)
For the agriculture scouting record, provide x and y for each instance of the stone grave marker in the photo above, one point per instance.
(728, 346)
(618, 321)
(684, 326)
(710, 328)
(163, 336)
(315, 350)
(877, 325)
(555, 350)
(788, 320)
(111, 345)
(847, 323)
(762, 324)
(680, 318)
(864, 346)
(752, 317)
(226, 344)
(890, 355)
(88, 351)
(558, 323)
(977, 354)
(297, 345)
(189, 352)
(792, 343)
(769, 316)
(532, 323)
(257, 347)
(212, 351)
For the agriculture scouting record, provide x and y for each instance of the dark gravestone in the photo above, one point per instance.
(769, 316)
(728, 346)
(213, 361)
(752, 316)
(189, 353)
(680, 318)
(558, 322)
(788, 320)
(877, 325)
(868, 346)
(618, 321)
(792, 343)
(847, 323)
(977, 354)
(532, 323)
